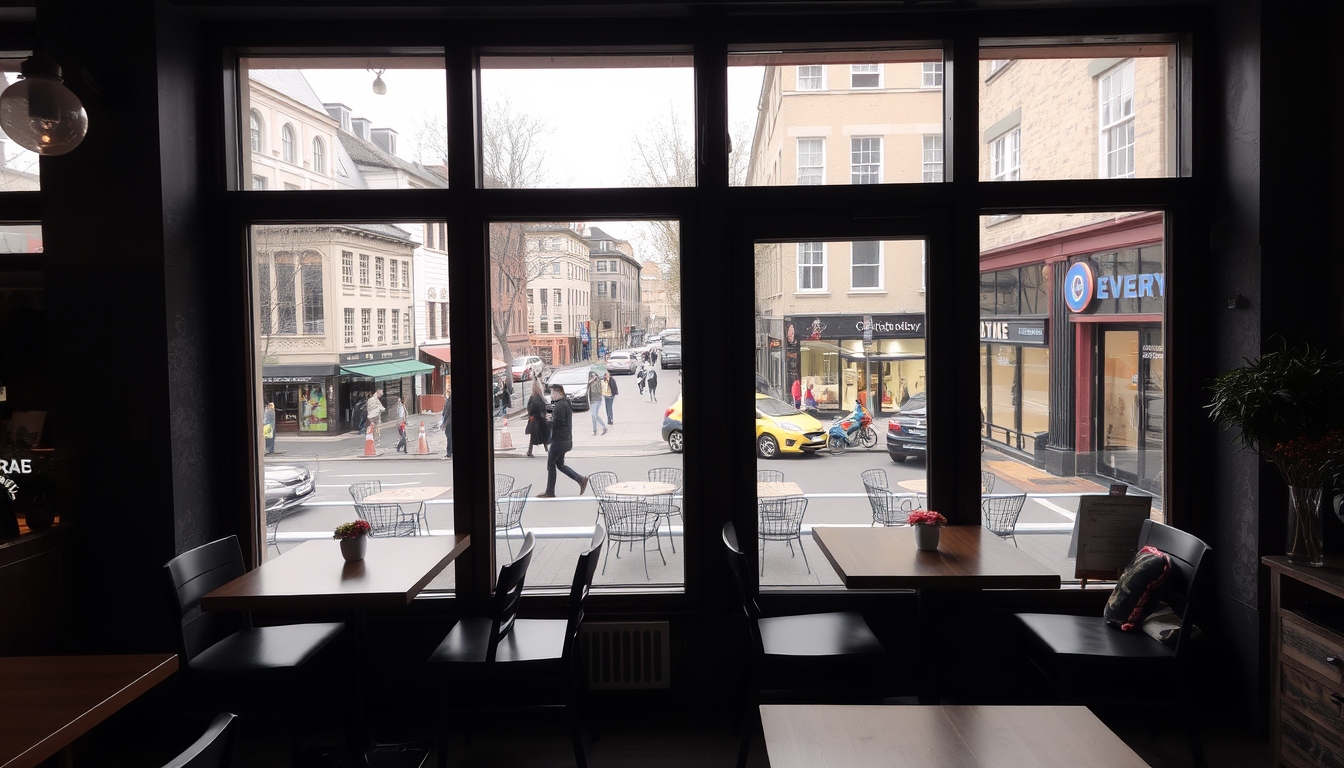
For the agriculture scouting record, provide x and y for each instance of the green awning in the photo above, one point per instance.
(386, 371)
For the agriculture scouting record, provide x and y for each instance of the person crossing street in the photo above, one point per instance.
(562, 440)
(609, 393)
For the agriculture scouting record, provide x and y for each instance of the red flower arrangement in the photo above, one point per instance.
(1309, 461)
(352, 530)
(925, 517)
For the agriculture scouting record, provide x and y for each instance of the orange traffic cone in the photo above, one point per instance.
(423, 448)
(506, 439)
(369, 448)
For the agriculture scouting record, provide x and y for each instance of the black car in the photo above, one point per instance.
(907, 431)
(287, 485)
(575, 382)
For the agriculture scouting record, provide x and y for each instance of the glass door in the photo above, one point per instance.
(1131, 406)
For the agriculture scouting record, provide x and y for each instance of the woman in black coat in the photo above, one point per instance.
(538, 429)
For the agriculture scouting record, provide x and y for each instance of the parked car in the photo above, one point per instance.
(672, 426)
(287, 485)
(669, 356)
(907, 431)
(524, 368)
(781, 428)
(575, 381)
(622, 361)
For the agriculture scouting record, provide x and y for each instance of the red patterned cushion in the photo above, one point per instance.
(1138, 589)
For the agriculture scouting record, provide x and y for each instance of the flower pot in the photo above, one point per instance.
(1305, 527)
(926, 537)
(353, 549)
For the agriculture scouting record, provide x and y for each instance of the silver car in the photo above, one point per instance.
(287, 485)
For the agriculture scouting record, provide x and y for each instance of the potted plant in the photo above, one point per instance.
(354, 538)
(1287, 407)
(928, 527)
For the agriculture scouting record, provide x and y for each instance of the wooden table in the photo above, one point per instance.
(640, 488)
(968, 557)
(777, 490)
(918, 485)
(46, 702)
(828, 736)
(420, 493)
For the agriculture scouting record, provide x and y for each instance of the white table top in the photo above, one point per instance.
(777, 490)
(918, 485)
(409, 493)
(641, 488)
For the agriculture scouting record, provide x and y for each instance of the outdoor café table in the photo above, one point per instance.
(46, 702)
(314, 577)
(831, 736)
(968, 557)
(420, 493)
(777, 490)
(918, 485)
(640, 488)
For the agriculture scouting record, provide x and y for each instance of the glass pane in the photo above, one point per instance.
(1089, 323)
(592, 309)
(587, 121)
(832, 355)
(858, 117)
(340, 352)
(19, 170)
(20, 238)
(1078, 112)
(314, 123)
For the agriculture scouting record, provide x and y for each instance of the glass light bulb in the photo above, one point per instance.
(39, 113)
(379, 87)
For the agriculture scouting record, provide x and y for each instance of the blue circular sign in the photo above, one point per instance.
(1080, 286)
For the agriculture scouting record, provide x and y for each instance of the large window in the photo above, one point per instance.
(811, 266)
(865, 160)
(1116, 96)
(811, 78)
(811, 161)
(1006, 156)
(865, 258)
(287, 150)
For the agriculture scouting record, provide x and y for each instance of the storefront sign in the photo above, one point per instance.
(1147, 285)
(863, 327)
(1080, 286)
(377, 356)
(1013, 331)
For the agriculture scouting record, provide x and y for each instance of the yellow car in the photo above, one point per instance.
(781, 428)
(672, 426)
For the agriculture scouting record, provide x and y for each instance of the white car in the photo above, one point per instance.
(525, 368)
(622, 361)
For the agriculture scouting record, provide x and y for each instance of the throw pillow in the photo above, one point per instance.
(1137, 590)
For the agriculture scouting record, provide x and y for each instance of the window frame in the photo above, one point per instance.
(820, 78)
(1129, 121)
(880, 265)
(319, 156)
(999, 170)
(853, 71)
(288, 142)
(854, 166)
(820, 266)
(821, 158)
(926, 166)
(927, 74)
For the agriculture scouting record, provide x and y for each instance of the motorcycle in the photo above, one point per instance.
(851, 431)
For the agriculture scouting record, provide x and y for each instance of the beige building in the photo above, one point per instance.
(558, 287)
(662, 308)
(616, 291)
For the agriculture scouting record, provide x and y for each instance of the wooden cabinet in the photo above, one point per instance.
(1307, 663)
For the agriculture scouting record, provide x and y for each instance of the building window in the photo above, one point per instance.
(557, 297)
(382, 326)
(545, 324)
(406, 275)
(1005, 156)
(319, 157)
(378, 271)
(429, 320)
(811, 78)
(865, 160)
(396, 325)
(392, 265)
(555, 268)
(933, 158)
(601, 266)
(865, 264)
(602, 289)
(347, 268)
(311, 275)
(365, 323)
(254, 132)
(258, 182)
(932, 75)
(811, 266)
(286, 316)
(1115, 92)
(555, 324)
(287, 143)
(996, 65)
(349, 327)
(363, 269)
(443, 321)
(865, 75)
(811, 161)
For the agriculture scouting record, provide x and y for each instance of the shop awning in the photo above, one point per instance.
(442, 352)
(386, 371)
(282, 373)
(499, 364)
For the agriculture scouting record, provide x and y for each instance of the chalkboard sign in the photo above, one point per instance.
(1106, 534)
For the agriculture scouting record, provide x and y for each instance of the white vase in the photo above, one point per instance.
(353, 549)
(926, 537)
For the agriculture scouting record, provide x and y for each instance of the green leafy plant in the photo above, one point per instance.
(352, 529)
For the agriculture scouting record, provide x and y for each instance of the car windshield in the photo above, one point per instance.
(569, 377)
(772, 407)
(915, 403)
(519, 362)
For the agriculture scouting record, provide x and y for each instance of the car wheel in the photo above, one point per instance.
(899, 459)
(767, 447)
(674, 440)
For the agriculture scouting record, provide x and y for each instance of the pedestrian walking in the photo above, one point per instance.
(809, 400)
(538, 429)
(594, 404)
(640, 376)
(268, 427)
(446, 422)
(797, 392)
(651, 381)
(374, 409)
(609, 394)
(562, 440)
(508, 395)
(401, 436)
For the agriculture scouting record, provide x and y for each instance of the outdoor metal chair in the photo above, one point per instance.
(769, 476)
(389, 520)
(987, 479)
(664, 503)
(503, 484)
(876, 478)
(509, 513)
(782, 520)
(597, 483)
(999, 514)
(888, 508)
(629, 519)
(361, 491)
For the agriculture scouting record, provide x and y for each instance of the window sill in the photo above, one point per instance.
(803, 294)
(867, 292)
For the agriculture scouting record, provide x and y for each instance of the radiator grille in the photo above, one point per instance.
(625, 655)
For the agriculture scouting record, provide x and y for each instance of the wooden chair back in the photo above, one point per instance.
(508, 591)
(1187, 553)
(192, 575)
(215, 747)
(579, 588)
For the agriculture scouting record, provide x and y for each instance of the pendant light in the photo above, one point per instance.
(379, 87)
(39, 113)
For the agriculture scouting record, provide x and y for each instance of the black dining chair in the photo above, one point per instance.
(504, 658)
(214, 749)
(1088, 662)
(780, 646)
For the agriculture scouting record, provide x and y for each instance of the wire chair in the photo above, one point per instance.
(769, 476)
(509, 512)
(361, 491)
(987, 479)
(999, 514)
(273, 518)
(888, 508)
(782, 520)
(877, 478)
(598, 482)
(503, 484)
(388, 520)
(629, 519)
(662, 503)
